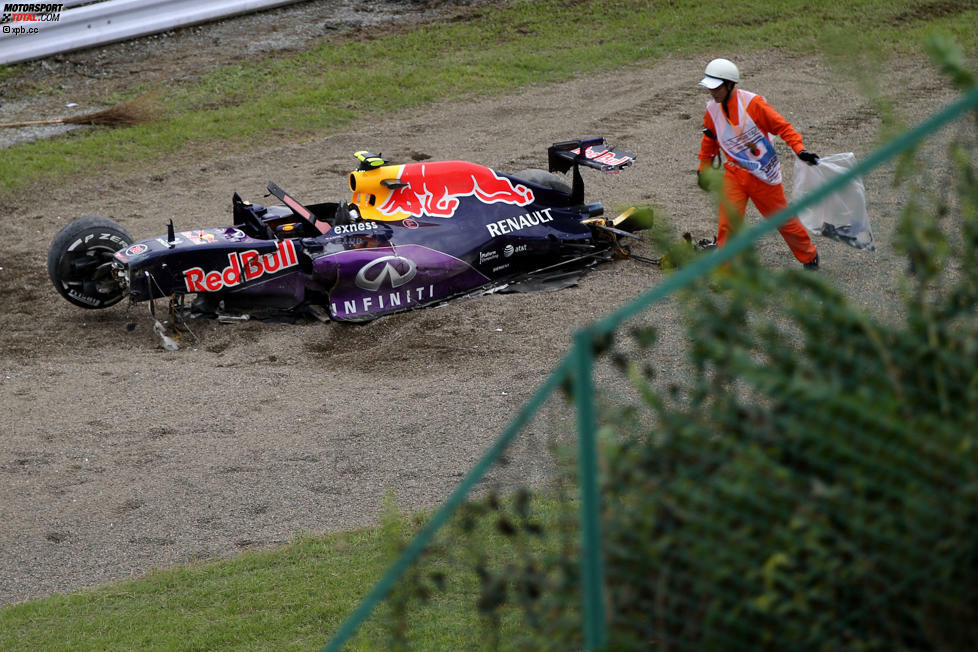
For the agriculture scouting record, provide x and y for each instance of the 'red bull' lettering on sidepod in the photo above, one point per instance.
(242, 267)
(434, 189)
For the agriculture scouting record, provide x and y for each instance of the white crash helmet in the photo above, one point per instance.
(719, 71)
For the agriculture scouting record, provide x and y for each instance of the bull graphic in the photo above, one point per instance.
(434, 189)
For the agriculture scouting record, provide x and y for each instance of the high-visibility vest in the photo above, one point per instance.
(745, 144)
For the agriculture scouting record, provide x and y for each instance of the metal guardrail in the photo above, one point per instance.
(100, 23)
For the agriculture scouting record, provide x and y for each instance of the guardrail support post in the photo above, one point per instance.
(592, 565)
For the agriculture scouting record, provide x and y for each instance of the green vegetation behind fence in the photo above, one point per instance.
(812, 483)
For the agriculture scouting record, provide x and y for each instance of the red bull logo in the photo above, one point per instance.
(242, 267)
(434, 189)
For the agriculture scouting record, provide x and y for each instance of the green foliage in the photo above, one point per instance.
(949, 57)
(520, 552)
(493, 568)
(811, 482)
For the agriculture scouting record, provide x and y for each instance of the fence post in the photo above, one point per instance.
(592, 565)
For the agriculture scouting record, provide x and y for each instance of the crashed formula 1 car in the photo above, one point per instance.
(411, 235)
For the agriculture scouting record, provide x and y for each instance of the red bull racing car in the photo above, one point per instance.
(410, 235)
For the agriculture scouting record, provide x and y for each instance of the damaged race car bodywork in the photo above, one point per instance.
(410, 235)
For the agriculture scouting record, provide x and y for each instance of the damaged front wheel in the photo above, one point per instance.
(80, 261)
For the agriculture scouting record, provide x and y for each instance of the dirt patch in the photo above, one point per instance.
(119, 457)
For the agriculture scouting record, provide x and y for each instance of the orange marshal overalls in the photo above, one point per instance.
(752, 170)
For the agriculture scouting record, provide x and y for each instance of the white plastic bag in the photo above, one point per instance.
(842, 215)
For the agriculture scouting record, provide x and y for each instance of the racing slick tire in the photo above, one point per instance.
(545, 179)
(79, 261)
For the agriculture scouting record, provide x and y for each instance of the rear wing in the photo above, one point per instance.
(590, 152)
(561, 157)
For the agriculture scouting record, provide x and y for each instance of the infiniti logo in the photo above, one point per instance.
(389, 271)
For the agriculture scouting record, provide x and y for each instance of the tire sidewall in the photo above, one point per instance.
(85, 234)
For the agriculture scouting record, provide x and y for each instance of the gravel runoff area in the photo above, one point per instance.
(118, 457)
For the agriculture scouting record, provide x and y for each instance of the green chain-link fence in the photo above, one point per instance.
(803, 476)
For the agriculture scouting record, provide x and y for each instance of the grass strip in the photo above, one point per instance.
(328, 87)
(292, 598)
